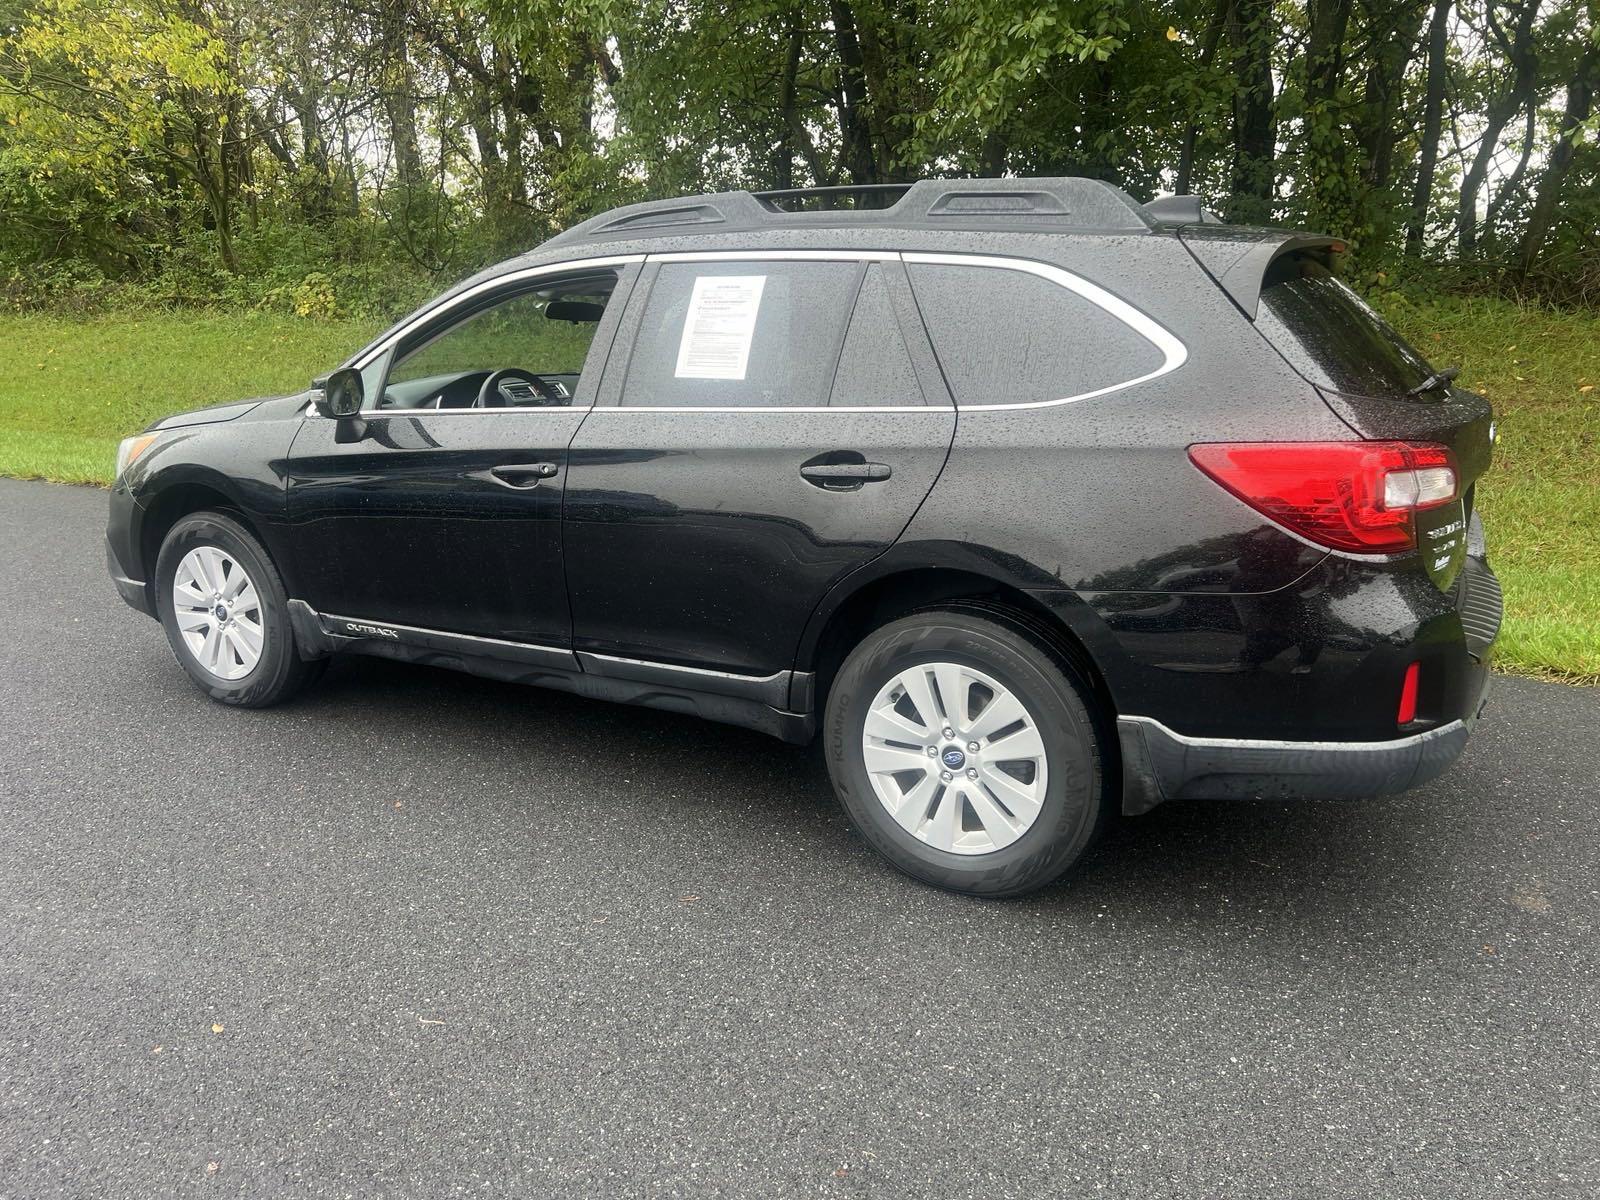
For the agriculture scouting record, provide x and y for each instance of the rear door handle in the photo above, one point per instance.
(522, 475)
(847, 475)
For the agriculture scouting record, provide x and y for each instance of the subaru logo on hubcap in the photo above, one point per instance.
(221, 612)
(954, 758)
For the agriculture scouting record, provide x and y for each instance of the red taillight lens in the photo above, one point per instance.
(1356, 496)
(1408, 696)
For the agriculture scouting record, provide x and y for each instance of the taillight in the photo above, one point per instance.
(1358, 496)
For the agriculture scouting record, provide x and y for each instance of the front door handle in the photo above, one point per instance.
(845, 476)
(523, 475)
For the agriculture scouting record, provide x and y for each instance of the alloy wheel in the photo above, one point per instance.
(218, 612)
(955, 758)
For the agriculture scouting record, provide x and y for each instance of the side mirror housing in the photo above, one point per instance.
(342, 394)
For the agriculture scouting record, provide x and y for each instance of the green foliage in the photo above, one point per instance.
(1541, 370)
(341, 156)
(95, 86)
(1005, 59)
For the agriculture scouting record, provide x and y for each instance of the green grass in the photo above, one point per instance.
(69, 389)
(1541, 498)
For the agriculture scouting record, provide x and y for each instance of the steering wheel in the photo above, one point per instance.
(490, 396)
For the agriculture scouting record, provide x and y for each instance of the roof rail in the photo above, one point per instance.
(1060, 203)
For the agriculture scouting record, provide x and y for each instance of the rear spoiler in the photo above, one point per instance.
(1237, 256)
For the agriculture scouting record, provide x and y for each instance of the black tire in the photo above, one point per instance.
(1076, 798)
(280, 671)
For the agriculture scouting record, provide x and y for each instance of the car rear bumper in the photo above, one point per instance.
(1160, 764)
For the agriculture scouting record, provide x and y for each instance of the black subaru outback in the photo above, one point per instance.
(1036, 502)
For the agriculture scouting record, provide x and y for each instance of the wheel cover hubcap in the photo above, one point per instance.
(218, 612)
(955, 758)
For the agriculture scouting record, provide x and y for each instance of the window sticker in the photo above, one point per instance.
(719, 326)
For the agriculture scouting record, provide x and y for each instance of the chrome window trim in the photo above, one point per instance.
(490, 285)
(511, 278)
(1174, 353)
(400, 414)
(776, 256)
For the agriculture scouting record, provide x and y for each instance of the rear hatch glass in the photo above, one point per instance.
(1331, 335)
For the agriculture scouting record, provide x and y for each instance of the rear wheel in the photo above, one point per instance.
(226, 614)
(967, 754)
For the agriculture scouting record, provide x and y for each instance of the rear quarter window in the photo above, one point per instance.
(1331, 335)
(1010, 337)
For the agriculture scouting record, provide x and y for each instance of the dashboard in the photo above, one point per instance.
(516, 389)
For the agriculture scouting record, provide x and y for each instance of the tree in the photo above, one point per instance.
(143, 88)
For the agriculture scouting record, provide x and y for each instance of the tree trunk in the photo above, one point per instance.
(1191, 132)
(1254, 138)
(1580, 104)
(399, 98)
(852, 97)
(210, 169)
(1325, 49)
(1432, 115)
(1501, 109)
(1332, 196)
(788, 108)
(1512, 182)
(1395, 35)
(992, 159)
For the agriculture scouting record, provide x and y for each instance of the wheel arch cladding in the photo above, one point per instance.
(177, 501)
(841, 625)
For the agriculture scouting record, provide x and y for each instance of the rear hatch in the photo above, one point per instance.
(1369, 375)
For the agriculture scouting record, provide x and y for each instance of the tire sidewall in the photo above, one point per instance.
(279, 658)
(1074, 790)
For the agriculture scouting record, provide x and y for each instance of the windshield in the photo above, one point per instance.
(1331, 335)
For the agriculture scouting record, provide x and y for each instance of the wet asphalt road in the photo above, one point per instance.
(419, 934)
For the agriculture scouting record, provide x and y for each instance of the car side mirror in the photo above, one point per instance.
(342, 394)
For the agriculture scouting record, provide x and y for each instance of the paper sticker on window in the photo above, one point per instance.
(719, 325)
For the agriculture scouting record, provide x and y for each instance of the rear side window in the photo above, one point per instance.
(740, 334)
(1011, 337)
(1331, 335)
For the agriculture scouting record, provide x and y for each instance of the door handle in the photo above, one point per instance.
(522, 475)
(845, 476)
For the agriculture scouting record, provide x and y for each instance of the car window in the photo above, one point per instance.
(544, 333)
(875, 368)
(740, 334)
(1012, 337)
(1331, 335)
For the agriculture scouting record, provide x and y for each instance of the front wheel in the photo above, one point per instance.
(966, 753)
(226, 614)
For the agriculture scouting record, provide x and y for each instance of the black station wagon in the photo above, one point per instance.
(1037, 503)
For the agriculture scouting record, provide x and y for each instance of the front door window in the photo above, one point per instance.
(526, 351)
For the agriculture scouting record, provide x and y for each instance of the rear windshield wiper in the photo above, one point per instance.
(1437, 380)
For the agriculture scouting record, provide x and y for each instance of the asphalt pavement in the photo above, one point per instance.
(418, 934)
